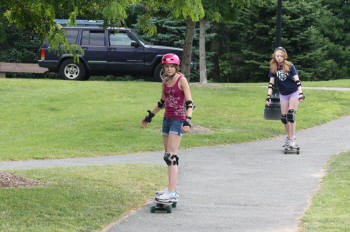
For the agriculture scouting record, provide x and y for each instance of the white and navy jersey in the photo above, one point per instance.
(285, 81)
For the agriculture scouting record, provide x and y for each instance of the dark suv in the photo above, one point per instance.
(107, 51)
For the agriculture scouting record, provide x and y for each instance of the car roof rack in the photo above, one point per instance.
(80, 22)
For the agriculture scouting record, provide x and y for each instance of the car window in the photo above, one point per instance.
(141, 38)
(119, 39)
(71, 35)
(93, 38)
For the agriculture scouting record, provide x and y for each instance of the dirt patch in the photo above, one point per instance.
(196, 129)
(8, 180)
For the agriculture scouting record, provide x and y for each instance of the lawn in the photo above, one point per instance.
(330, 209)
(47, 119)
(78, 198)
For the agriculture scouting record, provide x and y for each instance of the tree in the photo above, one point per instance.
(39, 15)
(245, 43)
(216, 11)
(335, 26)
(202, 56)
(187, 53)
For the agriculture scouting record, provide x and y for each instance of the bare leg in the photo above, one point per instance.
(293, 104)
(284, 110)
(171, 145)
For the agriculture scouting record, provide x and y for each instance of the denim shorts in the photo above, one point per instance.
(172, 126)
(284, 98)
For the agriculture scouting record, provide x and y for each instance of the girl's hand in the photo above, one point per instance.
(144, 123)
(147, 119)
(301, 97)
(186, 129)
(187, 124)
(268, 100)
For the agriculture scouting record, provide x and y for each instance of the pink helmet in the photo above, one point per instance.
(170, 58)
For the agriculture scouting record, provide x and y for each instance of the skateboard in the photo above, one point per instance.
(163, 206)
(288, 150)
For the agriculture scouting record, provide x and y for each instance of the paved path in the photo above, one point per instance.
(248, 187)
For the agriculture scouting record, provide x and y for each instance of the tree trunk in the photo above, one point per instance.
(187, 53)
(202, 56)
(215, 46)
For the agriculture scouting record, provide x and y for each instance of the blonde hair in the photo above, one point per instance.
(286, 63)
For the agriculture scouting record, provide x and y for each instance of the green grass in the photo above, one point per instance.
(330, 209)
(47, 119)
(341, 83)
(44, 119)
(78, 198)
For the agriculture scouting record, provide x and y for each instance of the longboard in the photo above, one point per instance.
(288, 150)
(162, 206)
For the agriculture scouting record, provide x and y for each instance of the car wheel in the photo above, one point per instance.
(156, 72)
(69, 70)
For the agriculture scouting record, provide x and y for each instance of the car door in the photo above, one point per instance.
(94, 45)
(125, 55)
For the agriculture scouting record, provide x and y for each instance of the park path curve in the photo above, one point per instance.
(247, 187)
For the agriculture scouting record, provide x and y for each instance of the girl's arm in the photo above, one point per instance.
(188, 98)
(300, 91)
(160, 105)
(189, 105)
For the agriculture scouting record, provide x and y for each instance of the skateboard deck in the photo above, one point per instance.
(289, 150)
(162, 206)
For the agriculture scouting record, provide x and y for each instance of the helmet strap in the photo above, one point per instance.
(169, 78)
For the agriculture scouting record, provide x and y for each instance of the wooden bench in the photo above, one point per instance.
(20, 68)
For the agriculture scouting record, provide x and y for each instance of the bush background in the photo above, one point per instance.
(315, 33)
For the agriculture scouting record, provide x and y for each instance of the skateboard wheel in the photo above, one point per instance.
(168, 210)
(298, 152)
(174, 204)
(153, 209)
(285, 152)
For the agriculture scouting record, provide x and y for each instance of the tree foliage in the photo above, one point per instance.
(315, 33)
(310, 33)
(39, 15)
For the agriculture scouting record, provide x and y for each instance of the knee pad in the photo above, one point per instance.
(171, 159)
(284, 118)
(291, 115)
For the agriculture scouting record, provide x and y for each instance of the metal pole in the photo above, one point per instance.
(273, 111)
(278, 23)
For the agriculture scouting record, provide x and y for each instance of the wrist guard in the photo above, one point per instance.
(301, 96)
(161, 103)
(298, 82)
(149, 117)
(268, 98)
(187, 122)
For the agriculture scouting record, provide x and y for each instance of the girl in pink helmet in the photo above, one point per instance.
(177, 101)
(285, 75)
